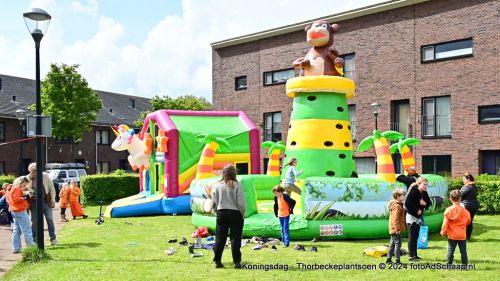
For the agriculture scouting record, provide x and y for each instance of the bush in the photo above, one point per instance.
(6, 179)
(488, 187)
(108, 187)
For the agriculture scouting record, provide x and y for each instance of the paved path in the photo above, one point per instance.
(7, 258)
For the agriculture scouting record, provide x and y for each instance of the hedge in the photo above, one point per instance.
(6, 179)
(488, 187)
(108, 187)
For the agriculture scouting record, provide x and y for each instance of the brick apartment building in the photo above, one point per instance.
(94, 149)
(432, 65)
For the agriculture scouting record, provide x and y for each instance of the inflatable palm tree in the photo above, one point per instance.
(403, 145)
(206, 163)
(275, 148)
(385, 165)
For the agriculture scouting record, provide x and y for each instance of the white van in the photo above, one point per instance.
(65, 172)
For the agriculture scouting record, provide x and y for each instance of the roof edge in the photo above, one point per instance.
(363, 11)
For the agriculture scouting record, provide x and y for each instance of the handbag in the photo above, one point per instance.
(423, 237)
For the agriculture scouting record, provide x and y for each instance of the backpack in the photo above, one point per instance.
(377, 252)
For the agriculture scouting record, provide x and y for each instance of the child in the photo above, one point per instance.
(397, 224)
(18, 203)
(456, 219)
(64, 200)
(76, 208)
(290, 176)
(283, 207)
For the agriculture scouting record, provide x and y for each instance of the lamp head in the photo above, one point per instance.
(376, 107)
(21, 114)
(37, 21)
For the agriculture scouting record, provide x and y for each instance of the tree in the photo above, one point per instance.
(187, 102)
(67, 97)
(385, 165)
(275, 148)
(403, 145)
(206, 163)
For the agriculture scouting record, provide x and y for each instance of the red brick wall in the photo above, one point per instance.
(387, 53)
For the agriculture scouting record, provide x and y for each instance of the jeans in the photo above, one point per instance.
(285, 230)
(394, 246)
(452, 245)
(413, 231)
(228, 220)
(21, 225)
(47, 212)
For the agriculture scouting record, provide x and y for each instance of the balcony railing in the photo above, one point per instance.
(403, 128)
(439, 125)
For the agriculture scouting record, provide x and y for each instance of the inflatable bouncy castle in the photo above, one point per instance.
(335, 202)
(173, 148)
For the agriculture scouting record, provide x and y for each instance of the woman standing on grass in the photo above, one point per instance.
(416, 202)
(469, 199)
(17, 198)
(74, 195)
(230, 205)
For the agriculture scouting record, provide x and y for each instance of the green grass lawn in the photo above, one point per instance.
(120, 251)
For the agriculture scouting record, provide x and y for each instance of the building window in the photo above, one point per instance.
(352, 119)
(490, 162)
(400, 117)
(349, 66)
(447, 50)
(489, 114)
(2, 131)
(240, 83)
(272, 126)
(365, 165)
(2, 168)
(102, 136)
(103, 167)
(437, 164)
(278, 76)
(436, 117)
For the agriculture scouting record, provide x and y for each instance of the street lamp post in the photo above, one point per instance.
(376, 108)
(37, 21)
(21, 116)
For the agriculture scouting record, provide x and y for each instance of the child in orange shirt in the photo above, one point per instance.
(64, 200)
(76, 208)
(456, 219)
(283, 207)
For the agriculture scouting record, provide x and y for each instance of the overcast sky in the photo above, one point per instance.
(145, 47)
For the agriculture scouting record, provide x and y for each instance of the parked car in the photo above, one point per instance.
(65, 172)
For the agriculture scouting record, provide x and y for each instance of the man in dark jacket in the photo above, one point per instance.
(410, 178)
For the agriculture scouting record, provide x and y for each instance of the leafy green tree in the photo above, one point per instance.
(66, 96)
(187, 102)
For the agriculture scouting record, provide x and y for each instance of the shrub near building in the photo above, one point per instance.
(488, 194)
(108, 187)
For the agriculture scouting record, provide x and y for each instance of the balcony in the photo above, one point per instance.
(403, 128)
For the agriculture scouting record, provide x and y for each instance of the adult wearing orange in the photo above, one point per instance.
(64, 200)
(18, 202)
(74, 195)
